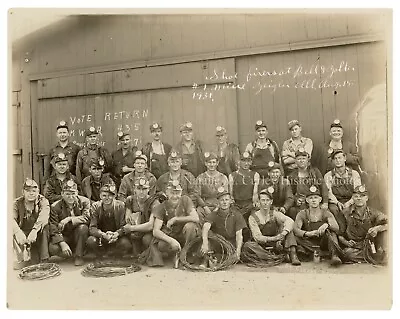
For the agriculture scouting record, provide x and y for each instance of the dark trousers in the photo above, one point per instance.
(75, 239)
(334, 209)
(121, 247)
(189, 231)
(39, 249)
(140, 241)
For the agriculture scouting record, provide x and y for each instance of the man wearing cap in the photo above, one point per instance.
(282, 194)
(106, 228)
(337, 143)
(92, 150)
(185, 178)
(191, 151)
(69, 219)
(207, 185)
(92, 184)
(139, 217)
(271, 228)
(364, 226)
(228, 153)
(316, 228)
(52, 189)
(69, 149)
(123, 158)
(30, 223)
(341, 181)
(157, 152)
(243, 186)
(301, 179)
(175, 225)
(140, 171)
(263, 150)
(291, 145)
(226, 221)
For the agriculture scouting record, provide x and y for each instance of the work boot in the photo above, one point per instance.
(78, 261)
(294, 259)
(335, 261)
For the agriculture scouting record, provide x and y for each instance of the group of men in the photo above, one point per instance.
(150, 203)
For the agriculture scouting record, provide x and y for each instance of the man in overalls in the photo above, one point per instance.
(140, 171)
(92, 150)
(337, 143)
(341, 181)
(282, 195)
(139, 217)
(191, 151)
(124, 157)
(291, 145)
(69, 149)
(92, 184)
(52, 189)
(226, 221)
(157, 152)
(207, 185)
(316, 228)
(271, 228)
(185, 178)
(107, 218)
(30, 225)
(301, 179)
(228, 153)
(69, 221)
(263, 151)
(364, 222)
(243, 186)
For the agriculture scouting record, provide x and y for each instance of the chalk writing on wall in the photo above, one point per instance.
(312, 77)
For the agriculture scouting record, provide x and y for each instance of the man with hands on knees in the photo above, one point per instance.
(69, 219)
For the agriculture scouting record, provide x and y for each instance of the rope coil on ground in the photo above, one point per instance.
(269, 259)
(110, 268)
(225, 257)
(40, 271)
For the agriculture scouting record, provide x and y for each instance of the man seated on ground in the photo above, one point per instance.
(92, 184)
(207, 185)
(30, 225)
(316, 228)
(341, 181)
(176, 224)
(107, 218)
(61, 173)
(243, 186)
(139, 217)
(364, 222)
(185, 178)
(226, 221)
(271, 228)
(69, 219)
(282, 191)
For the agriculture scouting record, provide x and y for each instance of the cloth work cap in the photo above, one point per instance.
(362, 190)
(69, 185)
(60, 157)
(188, 126)
(314, 190)
(97, 163)
(109, 188)
(220, 131)
(30, 183)
(221, 192)
(292, 124)
(210, 156)
(336, 123)
(174, 155)
(245, 156)
(140, 155)
(142, 183)
(334, 152)
(121, 134)
(269, 191)
(174, 185)
(301, 152)
(260, 124)
(272, 165)
(62, 124)
(155, 126)
(91, 131)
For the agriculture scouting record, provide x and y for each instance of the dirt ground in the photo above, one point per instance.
(310, 286)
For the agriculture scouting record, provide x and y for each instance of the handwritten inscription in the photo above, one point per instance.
(313, 77)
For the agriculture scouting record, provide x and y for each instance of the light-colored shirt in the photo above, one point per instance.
(354, 178)
(291, 146)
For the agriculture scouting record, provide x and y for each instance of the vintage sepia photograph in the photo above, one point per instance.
(199, 159)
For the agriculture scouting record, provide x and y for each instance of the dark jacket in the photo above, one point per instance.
(97, 213)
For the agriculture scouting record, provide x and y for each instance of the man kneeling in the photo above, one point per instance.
(271, 228)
